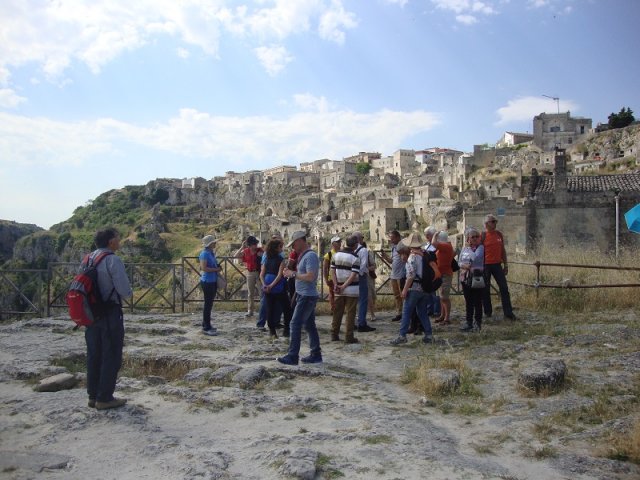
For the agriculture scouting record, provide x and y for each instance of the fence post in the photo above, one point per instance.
(537, 264)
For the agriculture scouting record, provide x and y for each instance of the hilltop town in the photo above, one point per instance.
(565, 166)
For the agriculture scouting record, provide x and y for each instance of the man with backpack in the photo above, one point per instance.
(495, 264)
(423, 278)
(105, 338)
(363, 300)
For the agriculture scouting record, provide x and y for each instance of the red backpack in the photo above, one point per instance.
(84, 297)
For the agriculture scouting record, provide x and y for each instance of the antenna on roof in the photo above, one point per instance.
(557, 99)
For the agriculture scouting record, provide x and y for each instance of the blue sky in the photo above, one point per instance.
(96, 95)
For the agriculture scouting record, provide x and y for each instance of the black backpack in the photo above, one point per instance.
(428, 281)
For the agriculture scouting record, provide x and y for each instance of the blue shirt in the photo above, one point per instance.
(309, 262)
(210, 257)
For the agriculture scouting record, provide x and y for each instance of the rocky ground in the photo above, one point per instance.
(221, 407)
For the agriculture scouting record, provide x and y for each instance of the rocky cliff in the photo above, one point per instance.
(10, 233)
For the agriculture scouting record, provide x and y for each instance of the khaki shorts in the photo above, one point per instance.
(445, 289)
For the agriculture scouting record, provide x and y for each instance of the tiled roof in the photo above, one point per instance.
(628, 182)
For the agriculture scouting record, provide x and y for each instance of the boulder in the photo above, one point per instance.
(62, 381)
(544, 376)
(249, 377)
(301, 464)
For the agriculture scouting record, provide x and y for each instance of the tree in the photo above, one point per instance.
(621, 119)
(363, 168)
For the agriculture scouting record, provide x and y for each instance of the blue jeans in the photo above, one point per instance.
(363, 300)
(209, 290)
(262, 312)
(105, 340)
(495, 270)
(416, 301)
(304, 315)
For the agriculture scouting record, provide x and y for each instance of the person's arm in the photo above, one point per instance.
(325, 271)
(118, 274)
(352, 278)
(263, 272)
(205, 268)
(436, 270)
(239, 252)
(505, 267)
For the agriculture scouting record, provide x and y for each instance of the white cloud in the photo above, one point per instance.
(55, 34)
(333, 22)
(311, 102)
(40, 141)
(525, 108)
(314, 133)
(466, 19)
(183, 53)
(9, 98)
(273, 58)
(466, 10)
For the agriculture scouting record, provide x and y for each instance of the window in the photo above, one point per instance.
(581, 129)
(554, 129)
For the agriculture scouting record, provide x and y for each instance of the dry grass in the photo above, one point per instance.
(560, 300)
(419, 376)
(625, 446)
(169, 368)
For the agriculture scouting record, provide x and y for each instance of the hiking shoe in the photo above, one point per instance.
(212, 332)
(287, 360)
(91, 403)
(466, 328)
(427, 339)
(317, 358)
(400, 340)
(366, 328)
(115, 403)
(349, 341)
(397, 318)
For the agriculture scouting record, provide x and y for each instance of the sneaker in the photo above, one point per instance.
(261, 329)
(397, 318)
(466, 328)
(427, 339)
(273, 335)
(91, 403)
(366, 328)
(349, 341)
(511, 317)
(211, 333)
(115, 403)
(248, 314)
(400, 340)
(287, 360)
(317, 358)
(335, 338)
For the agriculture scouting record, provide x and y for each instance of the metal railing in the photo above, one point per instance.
(156, 286)
(539, 283)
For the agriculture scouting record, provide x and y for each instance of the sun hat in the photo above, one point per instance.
(414, 240)
(208, 240)
(336, 239)
(297, 235)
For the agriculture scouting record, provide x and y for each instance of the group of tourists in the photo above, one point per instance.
(290, 290)
(289, 284)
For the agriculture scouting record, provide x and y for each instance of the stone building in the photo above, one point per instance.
(561, 130)
(562, 210)
(510, 139)
(383, 220)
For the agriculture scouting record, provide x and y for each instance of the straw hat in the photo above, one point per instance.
(414, 240)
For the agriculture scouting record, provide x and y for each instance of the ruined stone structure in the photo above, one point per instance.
(561, 130)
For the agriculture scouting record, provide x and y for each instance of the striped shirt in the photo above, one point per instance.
(344, 263)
